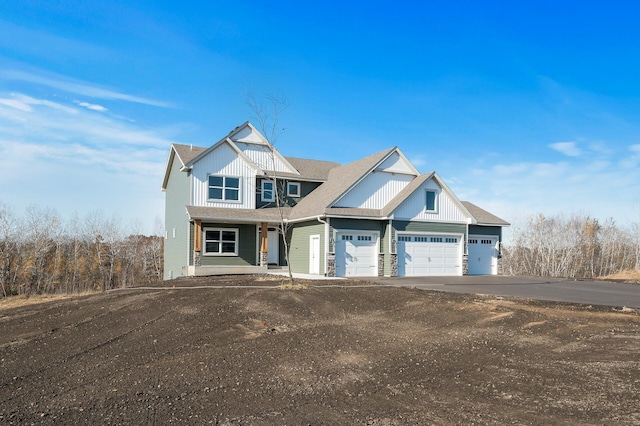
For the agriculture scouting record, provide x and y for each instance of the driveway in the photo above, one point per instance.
(557, 290)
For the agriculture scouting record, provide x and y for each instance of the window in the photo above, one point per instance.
(431, 201)
(268, 193)
(347, 237)
(293, 189)
(365, 238)
(221, 242)
(450, 240)
(224, 188)
(404, 238)
(435, 239)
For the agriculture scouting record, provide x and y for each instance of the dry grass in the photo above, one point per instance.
(17, 301)
(288, 285)
(628, 275)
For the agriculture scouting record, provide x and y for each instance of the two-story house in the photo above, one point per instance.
(374, 216)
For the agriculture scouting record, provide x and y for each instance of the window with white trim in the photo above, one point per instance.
(268, 191)
(221, 241)
(293, 189)
(431, 204)
(224, 188)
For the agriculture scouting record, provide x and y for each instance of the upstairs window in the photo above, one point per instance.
(268, 193)
(221, 242)
(432, 202)
(293, 189)
(224, 188)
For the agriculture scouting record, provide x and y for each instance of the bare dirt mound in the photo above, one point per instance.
(322, 355)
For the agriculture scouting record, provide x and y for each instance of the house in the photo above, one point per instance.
(372, 217)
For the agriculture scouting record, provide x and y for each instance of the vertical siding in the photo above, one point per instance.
(375, 190)
(223, 161)
(262, 156)
(413, 208)
(299, 245)
(176, 249)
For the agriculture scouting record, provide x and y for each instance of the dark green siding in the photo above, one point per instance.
(486, 230)
(247, 248)
(449, 228)
(305, 189)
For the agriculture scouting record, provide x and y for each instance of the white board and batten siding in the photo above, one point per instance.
(375, 191)
(262, 156)
(224, 160)
(413, 208)
(396, 164)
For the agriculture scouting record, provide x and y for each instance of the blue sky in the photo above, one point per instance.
(521, 108)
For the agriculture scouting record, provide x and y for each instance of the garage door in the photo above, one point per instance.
(356, 254)
(424, 255)
(483, 255)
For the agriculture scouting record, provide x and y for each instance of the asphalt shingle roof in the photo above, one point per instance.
(482, 216)
(187, 152)
(340, 180)
(222, 214)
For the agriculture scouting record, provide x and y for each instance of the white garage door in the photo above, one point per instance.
(483, 255)
(356, 254)
(424, 255)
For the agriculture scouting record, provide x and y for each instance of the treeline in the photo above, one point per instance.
(577, 246)
(42, 253)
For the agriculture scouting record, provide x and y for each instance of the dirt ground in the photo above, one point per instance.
(321, 355)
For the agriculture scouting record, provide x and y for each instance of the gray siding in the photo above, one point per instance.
(299, 245)
(176, 248)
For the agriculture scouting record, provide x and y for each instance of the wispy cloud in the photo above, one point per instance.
(567, 148)
(76, 87)
(93, 107)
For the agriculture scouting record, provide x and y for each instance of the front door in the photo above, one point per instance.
(273, 258)
(314, 254)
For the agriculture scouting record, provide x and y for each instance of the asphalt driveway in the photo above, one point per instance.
(557, 290)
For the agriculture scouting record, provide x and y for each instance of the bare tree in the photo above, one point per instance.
(10, 249)
(267, 114)
(577, 246)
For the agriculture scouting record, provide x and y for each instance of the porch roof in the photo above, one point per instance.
(227, 215)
